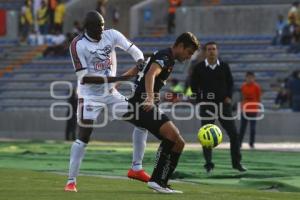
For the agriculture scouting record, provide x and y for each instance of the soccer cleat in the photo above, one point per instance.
(156, 187)
(164, 190)
(71, 187)
(174, 191)
(251, 146)
(209, 167)
(140, 175)
(240, 168)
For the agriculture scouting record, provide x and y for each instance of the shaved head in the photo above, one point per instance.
(94, 24)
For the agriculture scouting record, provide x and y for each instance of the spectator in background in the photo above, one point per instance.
(187, 84)
(71, 125)
(60, 44)
(32, 38)
(59, 15)
(282, 98)
(51, 8)
(176, 89)
(251, 95)
(26, 20)
(212, 82)
(279, 30)
(294, 89)
(294, 13)
(43, 18)
(295, 43)
(115, 16)
(288, 31)
(101, 7)
(77, 29)
(173, 4)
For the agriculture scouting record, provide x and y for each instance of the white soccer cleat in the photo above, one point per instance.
(164, 190)
(156, 187)
(175, 191)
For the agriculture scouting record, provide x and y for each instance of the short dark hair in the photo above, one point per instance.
(250, 73)
(210, 43)
(188, 39)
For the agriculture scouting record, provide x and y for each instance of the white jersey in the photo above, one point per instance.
(92, 58)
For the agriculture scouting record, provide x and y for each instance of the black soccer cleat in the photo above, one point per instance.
(209, 167)
(240, 168)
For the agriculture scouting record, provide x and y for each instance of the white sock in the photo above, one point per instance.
(139, 139)
(76, 156)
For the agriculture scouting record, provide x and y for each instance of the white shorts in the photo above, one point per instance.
(112, 106)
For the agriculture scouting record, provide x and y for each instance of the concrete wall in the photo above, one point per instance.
(229, 20)
(139, 25)
(237, 2)
(275, 127)
(124, 10)
(77, 9)
(210, 20)
(12, 23)
(31, 124)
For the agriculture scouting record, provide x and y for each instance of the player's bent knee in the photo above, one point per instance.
(180, 143)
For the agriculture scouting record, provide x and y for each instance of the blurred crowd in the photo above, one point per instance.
(288, 31)
(42, 21)
(289, 92)
(41, 16)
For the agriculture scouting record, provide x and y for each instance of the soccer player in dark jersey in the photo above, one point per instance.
(144, 111)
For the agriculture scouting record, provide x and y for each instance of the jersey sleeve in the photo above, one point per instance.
(78, 59)
(122, 42)
(162, 60)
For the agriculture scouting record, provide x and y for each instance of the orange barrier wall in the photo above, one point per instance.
(2, 22)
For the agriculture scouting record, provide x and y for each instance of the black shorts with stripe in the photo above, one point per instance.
(151, 120)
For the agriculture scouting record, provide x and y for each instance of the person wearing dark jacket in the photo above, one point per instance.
(71, 126)
(212, 82)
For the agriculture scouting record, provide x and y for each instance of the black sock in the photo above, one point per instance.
(174, 158)
(162, 162)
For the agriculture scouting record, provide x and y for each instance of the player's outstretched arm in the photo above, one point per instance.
(103, 80)
(131, 72)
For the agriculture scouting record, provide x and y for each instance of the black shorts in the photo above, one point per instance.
(151, 120)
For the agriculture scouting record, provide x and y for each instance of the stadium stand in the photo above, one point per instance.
(26, 76)
(11, 4)
(234, 2)
(28, 84)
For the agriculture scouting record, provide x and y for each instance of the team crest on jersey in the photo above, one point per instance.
(106, 65)
(102, 60)
(102, 54)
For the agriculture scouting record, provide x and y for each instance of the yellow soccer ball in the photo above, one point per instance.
(210, 136)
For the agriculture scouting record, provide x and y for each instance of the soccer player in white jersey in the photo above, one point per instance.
(93, 55)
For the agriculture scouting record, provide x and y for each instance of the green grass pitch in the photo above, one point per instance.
(37, 170)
